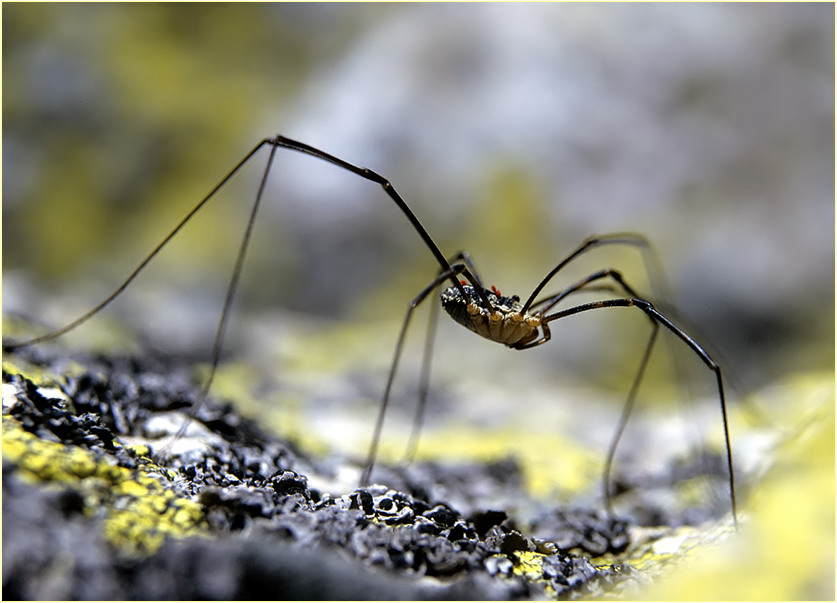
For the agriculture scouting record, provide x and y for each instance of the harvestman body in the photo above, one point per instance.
(484, 311)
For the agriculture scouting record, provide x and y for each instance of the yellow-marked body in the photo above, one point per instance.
(505, 323)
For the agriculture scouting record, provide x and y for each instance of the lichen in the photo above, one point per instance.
(137, 507)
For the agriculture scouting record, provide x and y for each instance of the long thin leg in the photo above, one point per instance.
(13, 345)
(275, 142)
(583, 285)
(220, 331)
(231, 289)
(424, 381)
(379, 423)
(551, 301)
(623, 418)
(393, 194)
(659, 284)
(658, 317)
(620, 238)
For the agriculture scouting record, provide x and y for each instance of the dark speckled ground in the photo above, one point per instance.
(261, 531)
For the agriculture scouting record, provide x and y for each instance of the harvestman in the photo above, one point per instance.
(486, 312)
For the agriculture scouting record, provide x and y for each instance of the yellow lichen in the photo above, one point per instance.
(530, 566)
(137, 509)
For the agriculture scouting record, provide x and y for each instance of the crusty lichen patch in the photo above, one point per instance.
(530, 565)
(38, 375)
(137, 509)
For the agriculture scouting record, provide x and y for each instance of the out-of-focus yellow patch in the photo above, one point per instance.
(138, 511)
(38, 375)
(552, 465)
(280, 413)
(106, 335)
(786, 545)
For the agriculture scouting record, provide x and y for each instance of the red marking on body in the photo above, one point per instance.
(496, 291)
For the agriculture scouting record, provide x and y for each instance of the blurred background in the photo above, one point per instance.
(512, 130)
